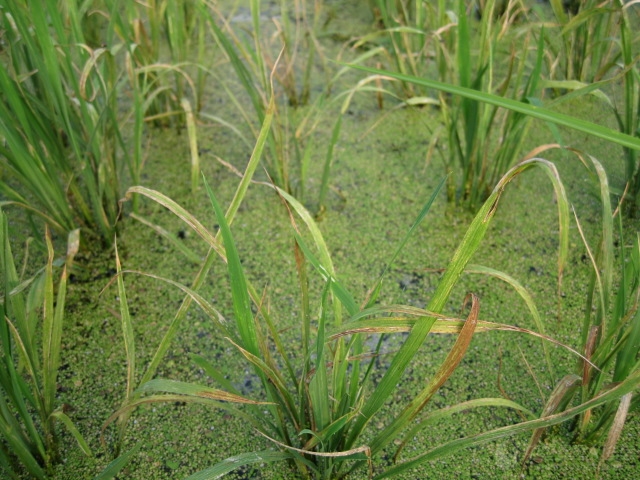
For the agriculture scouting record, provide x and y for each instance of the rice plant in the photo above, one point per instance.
(411, 29)
(477, 142)
(164, 82)
(483, 141)
(62, 119)
(538, 112)
(472, 154)
(610, 332)
(59, 122)
(290, 147)
(31, 328)
(316, 408)
(586, 46)
(132, 393)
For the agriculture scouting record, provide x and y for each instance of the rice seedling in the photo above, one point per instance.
(59, 122)
(610, 331)
(407, 35)
(483, 140)
(315, 408)
(133, 394)
(629, 115)
(31, 328)
(290, 147)
(586, 48)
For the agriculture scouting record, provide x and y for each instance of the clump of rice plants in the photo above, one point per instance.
(610, 332)
(315, 409)
(66, 145)
(290, 143)
(58, 118)
(477, 142)
(585, 47)
(597, 47)
(519, 106)
(164, 83)
(31, 329)
(482, 140)
(407, 36)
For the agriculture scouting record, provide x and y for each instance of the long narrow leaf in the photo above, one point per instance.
(616, 428)
(82, 443)
(127, 329)
(436, 415)
(540, 113)
(517, 286)
(181, 213)
(628, 385)
(118, 464)
(448, 366)
(193, 390)
(230, 464)
(468, 246)
(186, 251)
(50, 336)
(375, 290)
(211, 312)
(241, 302)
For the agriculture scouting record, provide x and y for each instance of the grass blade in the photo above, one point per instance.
(210, 370)
(193, 142)
(470, 243)
(193, 390)
(212, 241)
(616, 428)
(448, 366)
(628, 385)
(118, 464)
(433, 417)
(517, 286)
(337, 288)
(181, 213)
(175, 241)
(127, 329)
(324, 185)
(207, 308)
(172, 398)
(230, 464)
(561, 394)
(82, 443)
(256, 155)
(318, 386)
(540, 113)
(241, 302)
(373, 293)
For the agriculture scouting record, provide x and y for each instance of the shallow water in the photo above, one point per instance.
(380, 180)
